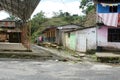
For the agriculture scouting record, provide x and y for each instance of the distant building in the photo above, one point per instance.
(56, 34)
(9, 32)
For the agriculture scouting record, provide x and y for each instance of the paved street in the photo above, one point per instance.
(50, 68)
(11, 69)
(45, 53)
(56, 54)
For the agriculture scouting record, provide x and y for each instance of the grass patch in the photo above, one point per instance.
(21, 56)
(69, 51)
(90, 52)
(109, 59)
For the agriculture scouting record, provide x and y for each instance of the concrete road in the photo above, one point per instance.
(45, 53)
(55, 70)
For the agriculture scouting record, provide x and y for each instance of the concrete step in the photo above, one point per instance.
(12, 46)
(108, 54)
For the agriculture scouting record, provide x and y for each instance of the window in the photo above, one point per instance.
(114, 35)
(113, 8)
(69, 35)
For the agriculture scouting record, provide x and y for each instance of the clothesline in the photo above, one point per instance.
(106, 4)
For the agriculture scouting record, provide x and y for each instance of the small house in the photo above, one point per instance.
(108, 25)
(56, 34)
(81, 40)
(9, 32)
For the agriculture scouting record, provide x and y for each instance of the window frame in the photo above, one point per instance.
(113, 35)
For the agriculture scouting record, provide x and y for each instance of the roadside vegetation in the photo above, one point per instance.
(39, 22)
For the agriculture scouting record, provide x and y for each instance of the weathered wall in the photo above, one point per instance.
(102, 38)
(58, 36)
(67, 40)
(90, 37)
(73, 40)
(81, 40)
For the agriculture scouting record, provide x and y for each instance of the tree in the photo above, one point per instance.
(67, 18)
(87, 6)
(11, 17)
(39, 22)
(36, 22)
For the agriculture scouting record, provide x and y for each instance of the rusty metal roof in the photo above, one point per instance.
(20, 8)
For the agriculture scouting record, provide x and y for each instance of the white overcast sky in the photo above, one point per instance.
(50, 6)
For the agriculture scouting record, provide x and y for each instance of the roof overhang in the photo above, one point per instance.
(107, 1)
(20, 8)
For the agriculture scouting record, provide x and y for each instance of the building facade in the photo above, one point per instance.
(56, 34)
(108, 25)
(9, 32)
(81, 40)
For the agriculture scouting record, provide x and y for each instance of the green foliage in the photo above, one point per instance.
(40, 22)
(86, 6)
(11, 17)
(68, 18)
(91, 7)
(91, 51)
(83, 3)
(36, 22)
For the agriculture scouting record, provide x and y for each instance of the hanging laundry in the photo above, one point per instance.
(105, 4)
(109, 19)
(101, 9)
(118, 19)
(105, 8)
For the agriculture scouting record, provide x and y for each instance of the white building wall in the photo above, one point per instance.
(102, 38)
(90, 34)
(85, 39)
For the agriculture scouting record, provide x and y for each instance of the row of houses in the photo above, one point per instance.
(77, 38)
(105, 36)
(81, 39)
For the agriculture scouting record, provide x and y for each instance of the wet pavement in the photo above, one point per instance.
(15, 69)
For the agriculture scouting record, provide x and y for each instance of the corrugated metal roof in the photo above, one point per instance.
(65, 28)
(80, 29)
(68, 27)
(20, 8)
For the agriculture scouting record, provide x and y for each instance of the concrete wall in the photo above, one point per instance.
(81, 40)
(90, 37)
(67, 40)
(102, 38)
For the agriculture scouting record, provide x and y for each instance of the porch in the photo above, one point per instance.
(109, 57)
(108, 54)
(4, 46)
